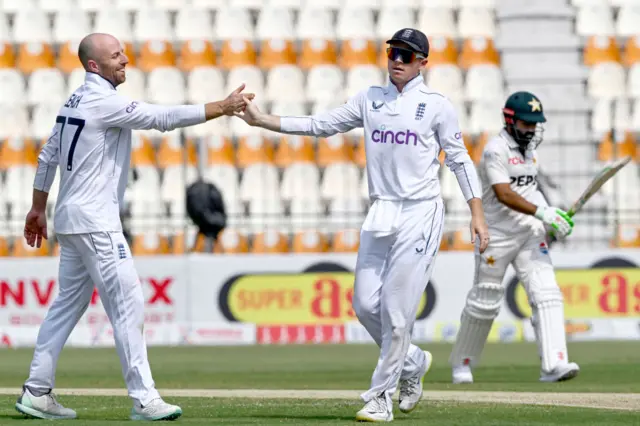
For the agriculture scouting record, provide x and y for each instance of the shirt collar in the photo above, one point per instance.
(92, 77)
(412, 84)
(510, 141)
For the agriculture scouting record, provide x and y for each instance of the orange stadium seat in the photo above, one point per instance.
(478, 51)
(171, 152)
(476, 148)
(180, 246)
(56, 249)
(142, 152)
(601, 49)
(149, 244)
(628, 237)
(442, 50)
(4, 247)
(130, 52)
(270, 241)
(334, 149)
(22, 249)
(16, 152)
(359, 154)
(461, 242)
(357, 52)
(254, 149)
(445, 242)
(346, 241)
(220, 150)
(7, 56)
(610, 149)
(196, 53)
(317, 51)
(309, 242)
(68, 57)
(631, 53)
(276, 52)
(156, 54)
(230, 241)
(235, 53)
(32, 56)
(294, 149)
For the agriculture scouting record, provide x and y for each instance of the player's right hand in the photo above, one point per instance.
(251, 114)
(235, 102)
(35, 228)
(557, 219)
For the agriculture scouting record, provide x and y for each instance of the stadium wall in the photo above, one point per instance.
(202, 299)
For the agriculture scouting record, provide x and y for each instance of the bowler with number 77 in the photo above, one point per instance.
(91, 142)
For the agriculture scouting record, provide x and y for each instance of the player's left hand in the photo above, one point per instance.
(35, 228)
(480, 230)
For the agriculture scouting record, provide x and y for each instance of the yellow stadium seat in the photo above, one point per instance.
(346, 241)
(478, 51)
(230, 241)
(294, 149)
(22, 249)
(254, 149)
(33, 56)
(171, 152)
(334, 149)
(309, 242)
(220, 150)
(610, 149)
(269, 242)
(237, 53)
(276, 52)
(7, 56)
(318, 52)
(156, 54)
(631, 53)
(442, 51)
(149, 244)
(142, 153)
(17, 152)
(68, 57)
(357, 52)
(196, 53)
(601, 49)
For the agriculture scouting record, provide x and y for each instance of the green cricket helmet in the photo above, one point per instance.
(526, 107)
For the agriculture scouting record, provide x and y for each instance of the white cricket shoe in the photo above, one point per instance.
(155, 410)
(378, 410)
(411, 388)
(43, 407)
(561, 373)
(462, 375)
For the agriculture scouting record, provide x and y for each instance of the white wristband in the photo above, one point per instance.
(540, 212)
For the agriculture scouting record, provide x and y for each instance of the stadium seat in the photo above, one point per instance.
(134, 86)
(484, 83)
(283, 108)
(476, 22)
(234, 27)
(606, 81)
(359, 153)
(627, 21)
(175, 181)
(250, 75)
(602, 117)
(622, 115)
(317, 34)
(461, 241)
(171, 5)
(4, 244)
(46, 85)
(22, 249)
(34, 55)
(219, 126)
(17, 151)
(42, 120)
(12, 87)
(345, 213)
(299, 181)
(166, 86)
(193, 24)
(149, 243)
(335, 149)
(341, 180)
(156, 54)
(31, 25)
(14, 121)
(323, 82)
(265, 213)
(442, 51)
(306, 212)
(171, 152)
(68, 60)
(254, 149)
(7, 53)
(285, 83)
(478, 51)
(309, 241)
(15, 6)
(70, 25)
(94, 5)
(345, 241)
(294, 149)
(114, 21)
(231, 241)
(355, 29)
(391, 18)
(226, 179)
(487, 4)
(270, 242)
(152, 25)
(276, 34)
(360, 77)
(610, 149)
(219, 150)
(486, 117)
(633, 81)
(133, 5)
(631, 53)
(594, 20)
(196, 53)
(204, 84)
(448, 80)
(258, 181)
(142, 151)
(18, 189)
(209, 4)
(599, 49)
(438, 22)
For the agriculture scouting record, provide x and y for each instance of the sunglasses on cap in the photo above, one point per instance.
(407, 56)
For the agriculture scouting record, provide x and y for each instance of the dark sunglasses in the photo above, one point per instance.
(407, 56)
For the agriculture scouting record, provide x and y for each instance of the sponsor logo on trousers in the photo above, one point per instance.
(403, 137)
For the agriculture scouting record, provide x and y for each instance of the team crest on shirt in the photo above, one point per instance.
(420, 110)
(122, 252)
(376, 105)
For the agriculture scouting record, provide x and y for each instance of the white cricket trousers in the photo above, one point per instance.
(103, 259)
(392, 272)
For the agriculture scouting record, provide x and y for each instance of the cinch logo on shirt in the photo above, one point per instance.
(403, 137)
(516, 160)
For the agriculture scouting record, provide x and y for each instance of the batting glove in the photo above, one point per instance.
(557, 219)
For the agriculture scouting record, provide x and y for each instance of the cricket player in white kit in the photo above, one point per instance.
(91, 142)
(519, 222)
(406, 125)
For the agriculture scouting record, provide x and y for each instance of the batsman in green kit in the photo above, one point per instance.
(519, 220)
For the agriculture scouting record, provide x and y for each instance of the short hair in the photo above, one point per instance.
(85, 51)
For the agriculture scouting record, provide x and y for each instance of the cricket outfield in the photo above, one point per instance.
(320, 384)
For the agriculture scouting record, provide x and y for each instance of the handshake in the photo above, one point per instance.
(557, 219)
(240, 105)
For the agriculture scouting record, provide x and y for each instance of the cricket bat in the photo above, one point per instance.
(600, 179)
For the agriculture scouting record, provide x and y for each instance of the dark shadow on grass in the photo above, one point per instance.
(289, 417)
(16, 416)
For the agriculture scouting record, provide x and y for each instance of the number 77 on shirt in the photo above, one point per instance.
(600, 179)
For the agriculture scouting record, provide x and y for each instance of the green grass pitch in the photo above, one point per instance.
(606, 367)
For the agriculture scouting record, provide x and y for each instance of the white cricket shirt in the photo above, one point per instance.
(502, 162)
(91, 142)
(404, 133)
